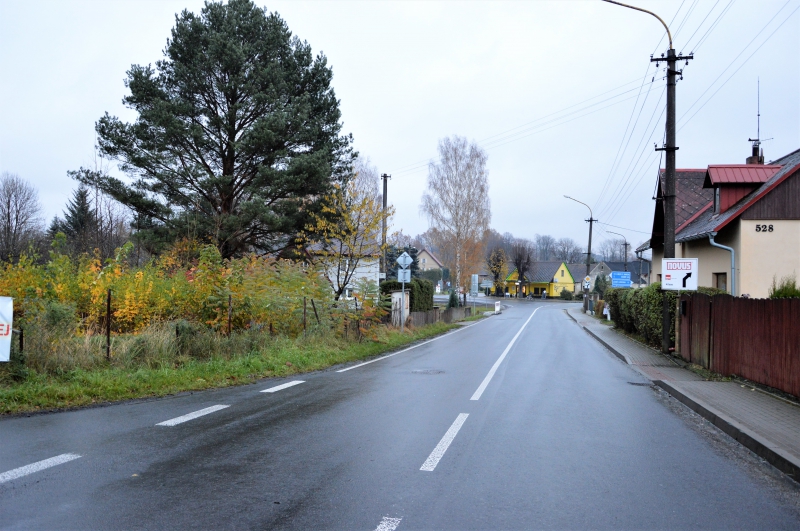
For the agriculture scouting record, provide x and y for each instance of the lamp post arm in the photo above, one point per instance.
(669, 35)
(591, 215)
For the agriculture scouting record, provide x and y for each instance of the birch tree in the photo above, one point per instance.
(457, 200)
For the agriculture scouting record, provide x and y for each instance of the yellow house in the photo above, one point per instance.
(549, 277)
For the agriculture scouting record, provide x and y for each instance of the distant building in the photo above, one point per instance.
(427, 260)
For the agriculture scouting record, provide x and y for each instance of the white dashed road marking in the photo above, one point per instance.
(36, 467)
(282, 386)
(485, 382)
(388, 524)
(444, 444)
(190, 416)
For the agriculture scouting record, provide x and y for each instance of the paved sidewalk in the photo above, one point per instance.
(768, 426)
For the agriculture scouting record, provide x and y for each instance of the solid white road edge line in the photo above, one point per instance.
(283, 386)
(485, 382)
(36, 467)
(190, 416)
(409, 348)
(437, 453)
(388, 524)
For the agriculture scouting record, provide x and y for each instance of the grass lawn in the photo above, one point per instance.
(38, 391)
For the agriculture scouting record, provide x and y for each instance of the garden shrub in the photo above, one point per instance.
(785, 289)
(566, 295)
(638, 311)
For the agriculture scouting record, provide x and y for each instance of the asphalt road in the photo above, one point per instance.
(558, 434)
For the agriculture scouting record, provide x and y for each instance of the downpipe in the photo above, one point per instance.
(733, 260)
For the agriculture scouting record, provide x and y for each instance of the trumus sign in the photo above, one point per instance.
(679, 273)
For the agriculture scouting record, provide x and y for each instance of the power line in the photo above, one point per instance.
(628, 170)
(623, 228)
(713, 25)
(740, 66)
(701, 23)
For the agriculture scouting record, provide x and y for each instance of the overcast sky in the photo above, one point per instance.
(549, 88)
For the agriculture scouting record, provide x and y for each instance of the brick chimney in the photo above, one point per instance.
(758, 154)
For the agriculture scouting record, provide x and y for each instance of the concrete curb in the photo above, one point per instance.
(772, 454)
(609, 347)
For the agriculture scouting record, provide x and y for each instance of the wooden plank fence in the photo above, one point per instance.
(757, 339)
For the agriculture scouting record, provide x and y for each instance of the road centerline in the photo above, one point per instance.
(283, 386)
(485, 382)
(191, 416)
(430, 463)
(37, 467)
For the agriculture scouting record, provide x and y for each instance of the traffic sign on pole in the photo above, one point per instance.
(404, 260)
(620, 279)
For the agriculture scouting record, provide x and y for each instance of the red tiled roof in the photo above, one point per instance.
(739, 174)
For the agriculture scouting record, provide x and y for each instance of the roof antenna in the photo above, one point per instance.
(758, 154)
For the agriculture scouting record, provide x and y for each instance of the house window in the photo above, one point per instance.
(721, 281)
(562, 272)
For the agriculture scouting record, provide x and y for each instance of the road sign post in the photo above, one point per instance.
(403, 276)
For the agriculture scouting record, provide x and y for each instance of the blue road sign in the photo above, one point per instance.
(620, 279)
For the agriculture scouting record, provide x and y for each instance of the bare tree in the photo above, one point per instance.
(457, 200)
(568, 250)
(522, 258)
(20, 223)
(545, 247)
(611, 250)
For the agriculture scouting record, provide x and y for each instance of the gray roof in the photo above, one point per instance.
(708, 222)
(543, 271)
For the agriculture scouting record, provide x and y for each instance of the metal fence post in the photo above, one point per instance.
(230, 311)
(304, 314)
(108, 325)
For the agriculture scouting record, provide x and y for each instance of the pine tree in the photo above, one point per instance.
(237, 136)
(79, 224)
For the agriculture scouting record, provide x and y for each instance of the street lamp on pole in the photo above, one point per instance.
(668, 189)
(588, 254)
(625, 255)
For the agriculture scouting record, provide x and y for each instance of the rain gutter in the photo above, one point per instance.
(733, 260)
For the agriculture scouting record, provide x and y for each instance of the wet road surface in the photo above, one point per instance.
(519, 421)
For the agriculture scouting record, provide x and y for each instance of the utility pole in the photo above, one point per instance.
(668, 191)
(385, 177)
(588, 255)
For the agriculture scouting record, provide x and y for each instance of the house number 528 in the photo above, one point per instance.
(764, 228)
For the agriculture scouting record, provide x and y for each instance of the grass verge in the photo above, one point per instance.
(40, 391)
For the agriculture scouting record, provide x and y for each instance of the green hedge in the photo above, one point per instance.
(639, 310)
(420, 292)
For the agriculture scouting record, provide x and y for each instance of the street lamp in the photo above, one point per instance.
(624, 256)
(588, 254)
(668, 191)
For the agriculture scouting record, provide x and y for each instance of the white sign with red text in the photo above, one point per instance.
(679, 273)
(6, 323)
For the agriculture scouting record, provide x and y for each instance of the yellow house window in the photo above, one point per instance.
(562, 272)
